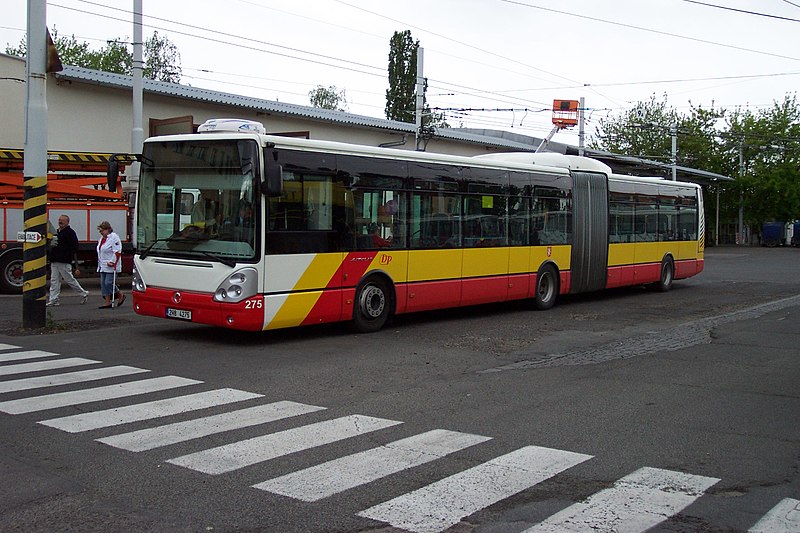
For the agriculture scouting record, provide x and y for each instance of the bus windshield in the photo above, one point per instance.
(198, 199)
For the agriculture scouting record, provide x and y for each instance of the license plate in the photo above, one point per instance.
(179, 313)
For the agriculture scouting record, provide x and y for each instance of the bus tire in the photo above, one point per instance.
(11, 273)
(372, 304)
(667, 275)
(546, 288)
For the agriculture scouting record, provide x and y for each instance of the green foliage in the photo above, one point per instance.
(769, 142)
(162, 60)
(767, 185)
(161, 56)
(400, 96)
(401, 101)
(328, 98)
(641, 131)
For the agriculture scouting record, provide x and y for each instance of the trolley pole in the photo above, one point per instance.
(35, 171)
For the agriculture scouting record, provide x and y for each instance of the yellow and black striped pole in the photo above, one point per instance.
(35, 171)
(34, 289)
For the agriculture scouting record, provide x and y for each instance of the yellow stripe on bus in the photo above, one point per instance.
(294, 310)
(319, 273)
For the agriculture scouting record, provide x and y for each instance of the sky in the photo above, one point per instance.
(490, 64)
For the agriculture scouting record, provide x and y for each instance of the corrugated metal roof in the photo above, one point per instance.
(121, 81)
(504, 140)
(109, 79)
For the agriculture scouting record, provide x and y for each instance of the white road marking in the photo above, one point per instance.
(326, 479)
(9, 347)
(68, 378)
(636, 502)
(148, 439)
(148, 410)
(259, 449)
(23, 368)
(28, 354)
(783, 518)
(438, 506)
(109, 392)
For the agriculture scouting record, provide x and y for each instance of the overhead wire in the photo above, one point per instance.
(745, 11)
(650, 30)
(498, 96)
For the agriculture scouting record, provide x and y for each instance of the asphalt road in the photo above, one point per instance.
(624, 410)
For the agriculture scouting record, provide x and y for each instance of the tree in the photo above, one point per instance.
(767, 141)
(400, 96)
(328, 98)
(161, 56)
(401, 101)
(642, 131)
(162, 60)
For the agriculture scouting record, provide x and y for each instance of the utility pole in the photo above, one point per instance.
(674, 134)
(420, 100)
(35, 170)
(137, 133)
(740, 229)
(581, 133)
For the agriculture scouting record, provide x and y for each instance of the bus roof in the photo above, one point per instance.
(334, 147)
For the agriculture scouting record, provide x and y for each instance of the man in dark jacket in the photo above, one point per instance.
(62, 257)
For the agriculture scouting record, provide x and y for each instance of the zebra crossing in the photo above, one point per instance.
(636, 502)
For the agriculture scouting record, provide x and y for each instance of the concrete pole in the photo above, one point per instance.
(137, 133)
(420, 100)
(740, 229)
(716, 223)
(674, 133)
(34, 255)
(581, 124)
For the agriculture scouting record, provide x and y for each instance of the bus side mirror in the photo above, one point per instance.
(272, 185)
(113, 174)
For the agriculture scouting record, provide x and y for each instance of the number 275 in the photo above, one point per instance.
(253, 304)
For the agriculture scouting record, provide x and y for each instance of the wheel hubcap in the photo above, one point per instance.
(545, 287)
(372, 301)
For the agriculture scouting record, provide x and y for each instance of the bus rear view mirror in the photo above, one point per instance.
(272, 185)
(112, 174)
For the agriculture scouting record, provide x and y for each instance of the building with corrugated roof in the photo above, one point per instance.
(91, 111)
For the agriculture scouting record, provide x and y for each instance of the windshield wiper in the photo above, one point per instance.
(223, 260)
(227, 262)
(146, 251)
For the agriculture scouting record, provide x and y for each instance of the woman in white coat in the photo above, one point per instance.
(109, 251)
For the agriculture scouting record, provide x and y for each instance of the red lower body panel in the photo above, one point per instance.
(622, 276)
(246, 315)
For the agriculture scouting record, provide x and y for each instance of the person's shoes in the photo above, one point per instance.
(52, 303)
(85, 298)
(121, 300)
(107, 306)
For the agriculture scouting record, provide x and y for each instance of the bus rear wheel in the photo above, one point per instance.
(546, 288)
(372, 305)
(667, 275)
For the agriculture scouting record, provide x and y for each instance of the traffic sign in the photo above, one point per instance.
(29, 236)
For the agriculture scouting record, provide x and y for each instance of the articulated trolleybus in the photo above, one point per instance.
(285, 232)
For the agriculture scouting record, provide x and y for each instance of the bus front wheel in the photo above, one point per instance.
(546, 288)
(371, 306)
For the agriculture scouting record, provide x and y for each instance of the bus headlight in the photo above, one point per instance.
(238, 286)
(137, 283)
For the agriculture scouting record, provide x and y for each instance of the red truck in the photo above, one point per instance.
(77, 185)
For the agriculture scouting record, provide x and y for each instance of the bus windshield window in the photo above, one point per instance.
(198, 199)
